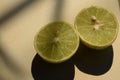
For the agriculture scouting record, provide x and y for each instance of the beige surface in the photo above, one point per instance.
(18, 33)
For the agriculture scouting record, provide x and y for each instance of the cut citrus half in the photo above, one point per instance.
(97, 27)
(56, 42)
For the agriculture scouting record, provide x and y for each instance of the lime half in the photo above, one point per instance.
(97, 27)
(56, 42)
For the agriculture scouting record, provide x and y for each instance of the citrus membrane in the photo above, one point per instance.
(56, 42)
(97, 27)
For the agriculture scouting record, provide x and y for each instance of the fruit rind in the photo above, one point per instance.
(98, 47)
(52, 60)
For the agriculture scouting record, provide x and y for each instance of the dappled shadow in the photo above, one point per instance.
(16, 10)
(119, 4)
(94, 62)
(42, 70)
(58, 10)
(11, 65)
(4, 55)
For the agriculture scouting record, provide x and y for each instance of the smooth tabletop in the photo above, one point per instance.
(21, 19)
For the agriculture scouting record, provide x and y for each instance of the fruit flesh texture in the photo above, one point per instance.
(58, 43)
(97, 27)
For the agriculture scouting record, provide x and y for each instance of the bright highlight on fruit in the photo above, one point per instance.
(97, 27)
(56, 42)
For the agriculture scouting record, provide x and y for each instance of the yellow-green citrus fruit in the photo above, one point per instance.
(56, 42)
(97, 27)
